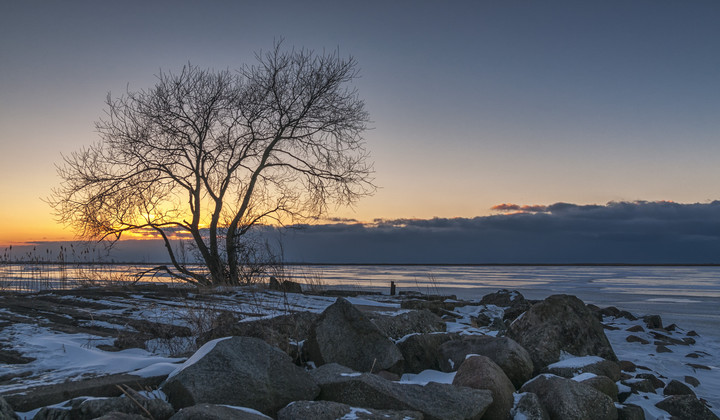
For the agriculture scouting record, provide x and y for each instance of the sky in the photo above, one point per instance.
(474, 104)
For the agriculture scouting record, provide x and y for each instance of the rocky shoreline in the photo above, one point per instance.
(434, 357)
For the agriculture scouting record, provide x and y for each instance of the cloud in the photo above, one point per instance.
(618, 232)
(640, 232)
(507, 207)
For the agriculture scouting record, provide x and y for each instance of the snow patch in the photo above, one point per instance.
(427, 376)
(583, 376)
(575, 362)
(202, 351)
(246, 410)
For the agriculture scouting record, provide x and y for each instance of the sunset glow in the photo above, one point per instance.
(472, 104)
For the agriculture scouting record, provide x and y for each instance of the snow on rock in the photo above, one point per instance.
(202, 351)
(427, 376)
(570, 361)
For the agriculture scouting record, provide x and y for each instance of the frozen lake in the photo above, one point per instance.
(686, 295)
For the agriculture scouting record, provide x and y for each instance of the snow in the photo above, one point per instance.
(247, 410)
(427, 376)
(576, 362)
(353, 414)
(583, 376)
(353, 374)
(60, 356)
(368, 302)
(202, 351)
(647, 401)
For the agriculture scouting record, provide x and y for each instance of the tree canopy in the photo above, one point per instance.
(210, 154)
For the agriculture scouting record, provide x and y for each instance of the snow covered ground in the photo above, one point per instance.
(60, 356)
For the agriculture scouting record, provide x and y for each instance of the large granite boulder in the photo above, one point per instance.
(283, 332)
(560, 323)
(570, 367)
(480, 372)
(93, 408)
(343, 334)
(434, 400)
(331, 410)
(400, 325)
(218, 412)
(527, 406)
(422, 351)
(239, 371)
(686, 407)
(675, 387)
(513, 302)
(567, 399)
(603, 384)
(512, 358)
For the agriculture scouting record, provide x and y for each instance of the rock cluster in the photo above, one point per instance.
(554, 362)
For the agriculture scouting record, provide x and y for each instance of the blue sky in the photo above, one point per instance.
(474, 103)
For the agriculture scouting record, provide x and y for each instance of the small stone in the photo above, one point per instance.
(697, 366)
(653, 321)
(662, 349)
(656, 383)
(677, 388)
(692, 381)
(636, 339)
(636, 328)
(686, 407)
(627, 366)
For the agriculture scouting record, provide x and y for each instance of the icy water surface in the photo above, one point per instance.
(688, 296)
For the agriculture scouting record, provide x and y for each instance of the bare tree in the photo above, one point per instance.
(214, 153)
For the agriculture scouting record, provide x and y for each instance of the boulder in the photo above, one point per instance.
(677, 388)
(283, 331)
(603, 384)
(104, 386)
(568, 399)
(627, 366)
(330, 410)
(218, 412)
(343, 334)
(402, 324)
(686, 407)
(239, 371)
(422, 351)
(692, 381)
(653, 321)
(158, 409)
(639, 385)
(571, 367)
(479, 372)
(438, 307)
(505, 352)
(514, 302)
(527, 406)
(6, 412)
(630, 412)
(654, 380)
(117, 415)
(502, 297)
(560, 323)
(434, 400)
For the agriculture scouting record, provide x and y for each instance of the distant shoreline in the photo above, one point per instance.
(389, 264)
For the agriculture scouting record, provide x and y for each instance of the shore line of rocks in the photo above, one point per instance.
(548, 359)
